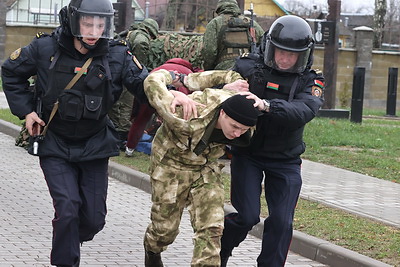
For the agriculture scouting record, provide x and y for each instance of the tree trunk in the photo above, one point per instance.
(172, 12)
(3, 14)
(379, 22)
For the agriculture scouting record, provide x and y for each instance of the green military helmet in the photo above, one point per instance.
(228, 7)
(152, 27)
(134, 26)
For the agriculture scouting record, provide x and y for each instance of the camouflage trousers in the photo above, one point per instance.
(203, 194)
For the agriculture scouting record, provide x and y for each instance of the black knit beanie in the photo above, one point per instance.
(241, 109)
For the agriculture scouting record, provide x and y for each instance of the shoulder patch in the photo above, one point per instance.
(319, 83)
(317, 88)
(14, 55)
(135, 60)
(316, 91)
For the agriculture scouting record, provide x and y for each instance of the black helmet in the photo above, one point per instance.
(100, 13)
(289, 33)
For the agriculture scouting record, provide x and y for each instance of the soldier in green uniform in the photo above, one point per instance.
(185, 171)
(139, 42)
(227, 36)
(140, 38)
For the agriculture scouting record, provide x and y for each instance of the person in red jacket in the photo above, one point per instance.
(145, 111)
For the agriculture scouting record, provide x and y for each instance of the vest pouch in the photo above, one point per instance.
(92, 108)
(95, 77)
(237, 38)
(237, 33)
(70, 107)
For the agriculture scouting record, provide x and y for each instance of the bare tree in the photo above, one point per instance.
(379, 22)
(188, 14)
(172, 11)
(305, 8)
(362, 8)
(392, 23)
(3, 13)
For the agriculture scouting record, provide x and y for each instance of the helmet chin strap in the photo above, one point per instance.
(85, 45)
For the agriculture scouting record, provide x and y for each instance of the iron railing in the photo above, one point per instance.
(41, 12)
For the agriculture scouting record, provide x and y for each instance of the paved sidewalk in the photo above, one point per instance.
(360, 194)
(3, 100)
(26, 214)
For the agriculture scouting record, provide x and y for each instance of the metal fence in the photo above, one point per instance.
(189, 15)
(43, 12)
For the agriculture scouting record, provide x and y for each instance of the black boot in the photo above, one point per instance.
(76, 264)
(152, 259)
(224, 255)
(224, 261)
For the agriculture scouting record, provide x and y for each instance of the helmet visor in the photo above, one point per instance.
(92, 26)
(285, 60)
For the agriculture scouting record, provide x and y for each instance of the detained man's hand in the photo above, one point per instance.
(189, 106)
(238, 86)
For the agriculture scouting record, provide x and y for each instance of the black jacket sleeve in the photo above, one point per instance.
(129, 70)
(15, 74)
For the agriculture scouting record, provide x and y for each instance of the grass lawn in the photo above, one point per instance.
(371, 148)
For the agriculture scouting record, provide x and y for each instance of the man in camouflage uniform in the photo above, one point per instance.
(227, 36)
(139, 39)
(184, 162)
(139, 42)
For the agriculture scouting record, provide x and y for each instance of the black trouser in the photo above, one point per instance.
(79, 192)
(282, 188)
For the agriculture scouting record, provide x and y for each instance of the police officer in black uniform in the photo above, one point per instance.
(292, 92)
(80, 74)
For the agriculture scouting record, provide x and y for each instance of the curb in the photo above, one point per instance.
(305, 245)
(9, 128)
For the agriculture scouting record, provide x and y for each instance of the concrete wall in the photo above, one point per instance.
(376, 97)
(378, 80)
(19, 36)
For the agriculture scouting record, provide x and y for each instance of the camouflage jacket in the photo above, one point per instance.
(139, 43)
(177, 139)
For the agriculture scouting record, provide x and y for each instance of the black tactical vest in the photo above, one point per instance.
(268, 86)
(82, 109)
(273, 140)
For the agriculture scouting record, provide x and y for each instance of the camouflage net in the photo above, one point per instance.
(172, 45)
